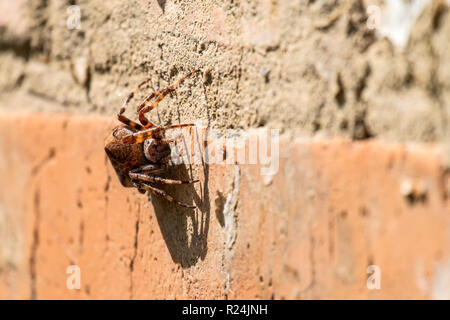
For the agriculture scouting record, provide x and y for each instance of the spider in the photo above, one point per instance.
(139, 152)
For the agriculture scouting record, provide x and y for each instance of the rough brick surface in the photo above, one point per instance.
(334, 208)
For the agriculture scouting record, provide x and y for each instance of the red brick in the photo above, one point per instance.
(333, 208)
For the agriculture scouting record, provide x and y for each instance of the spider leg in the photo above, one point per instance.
(142, 118)
(163, 194)
(149, 168)
(123, 118)
(155, 179)
(150, 133)
(144, 108)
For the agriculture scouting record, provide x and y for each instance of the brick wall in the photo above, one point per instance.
(361, 194)
(333, 209)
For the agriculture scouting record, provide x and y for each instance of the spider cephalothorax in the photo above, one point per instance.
(139, 152)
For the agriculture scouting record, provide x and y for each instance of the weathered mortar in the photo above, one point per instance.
(303, 67)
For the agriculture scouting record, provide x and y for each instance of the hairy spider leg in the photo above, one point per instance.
(149, 168)
(163, 194)
(143, 135)
(144, 121)
(144, 107)
(123, 118)
(155, 179)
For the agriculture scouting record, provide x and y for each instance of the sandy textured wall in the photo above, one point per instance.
(310, 67)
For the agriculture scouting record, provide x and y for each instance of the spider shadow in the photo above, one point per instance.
(162, 5)
(185, 231)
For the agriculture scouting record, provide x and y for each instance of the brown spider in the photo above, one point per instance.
(138, 152)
